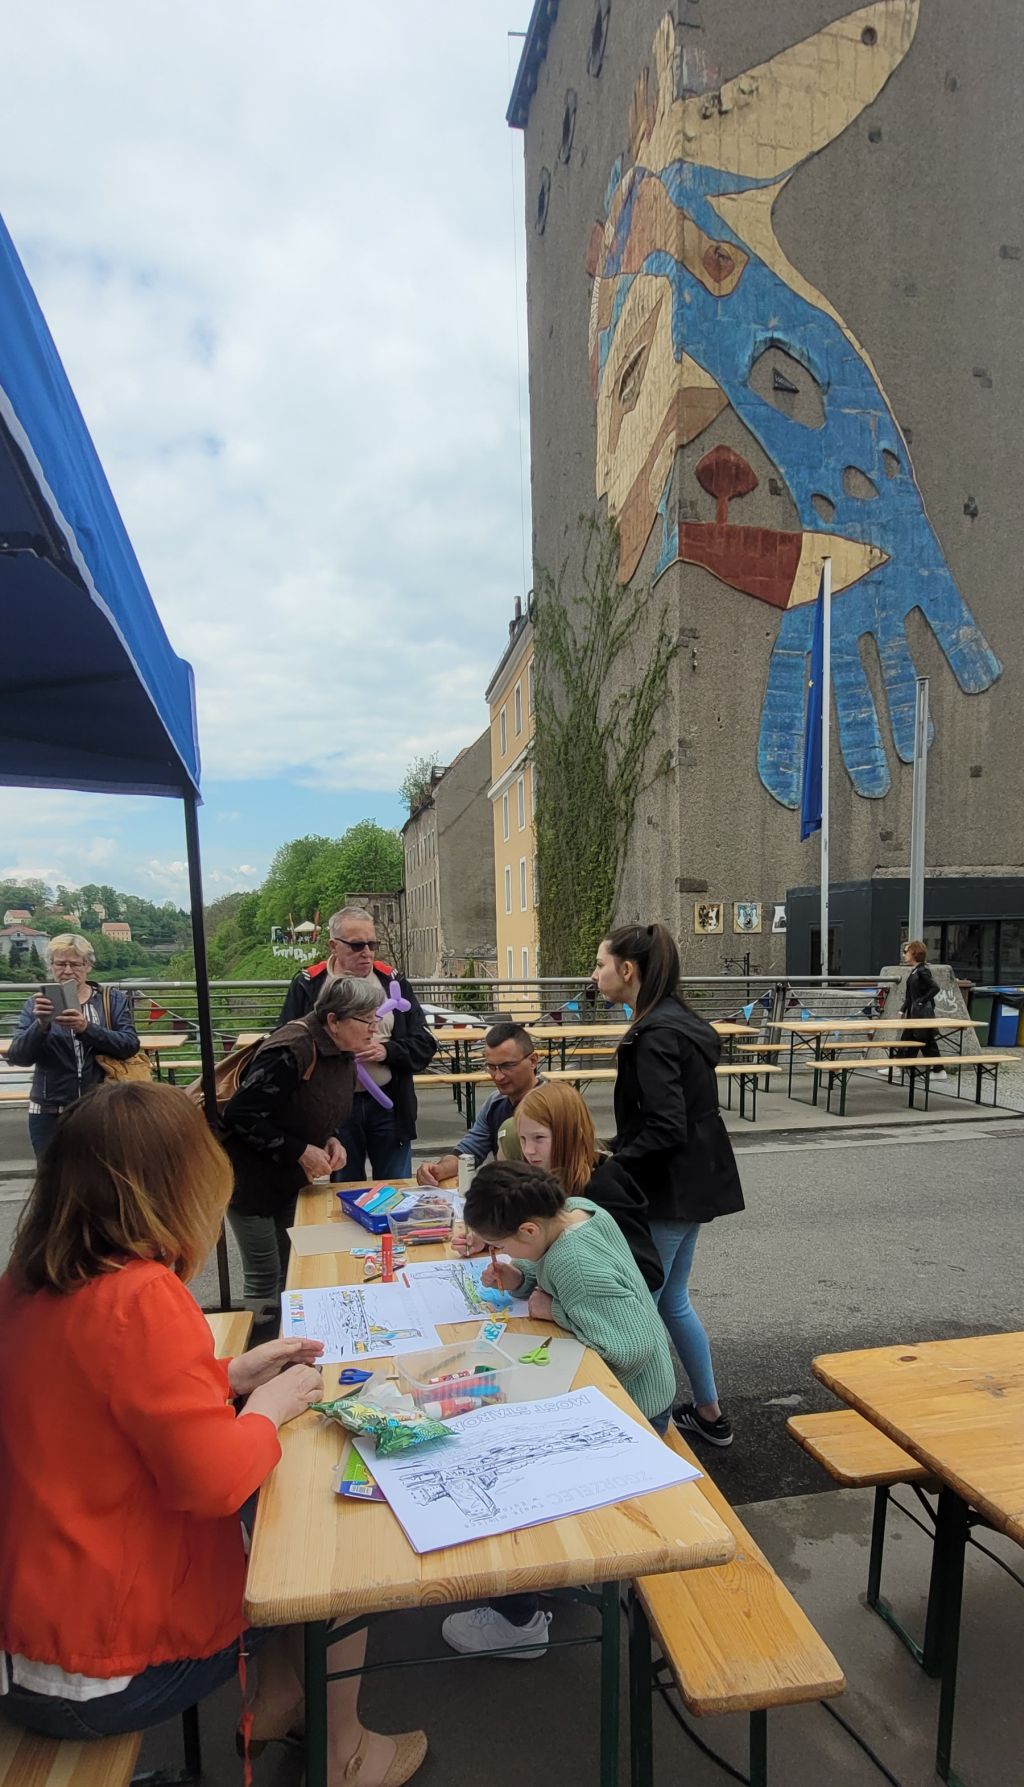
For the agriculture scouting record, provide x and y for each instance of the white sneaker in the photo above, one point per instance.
(939, 1073)
(485, 1630)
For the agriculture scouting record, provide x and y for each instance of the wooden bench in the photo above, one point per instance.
(733, 1638)
(924, 1065)
(231, 1329)
(30, 1761)
(858, 1455)
(14, 1095)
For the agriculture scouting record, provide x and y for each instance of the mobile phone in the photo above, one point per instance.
(63, 995)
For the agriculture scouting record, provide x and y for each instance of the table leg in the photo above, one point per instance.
(641, 1696)
(315, 1640)
(610, 1643)
(470, 1104)
(815, 1077)
(951, 1528)
(759, 1749)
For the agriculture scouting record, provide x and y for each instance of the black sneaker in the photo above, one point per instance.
(717, 1433)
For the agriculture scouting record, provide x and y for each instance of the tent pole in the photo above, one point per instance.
(195, 887)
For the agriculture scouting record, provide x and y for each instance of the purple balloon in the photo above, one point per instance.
(370, 1085)
(394, 1000)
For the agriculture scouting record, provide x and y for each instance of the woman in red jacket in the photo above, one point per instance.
(123, 1464)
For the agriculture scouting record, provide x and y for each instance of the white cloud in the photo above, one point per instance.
(274, 246)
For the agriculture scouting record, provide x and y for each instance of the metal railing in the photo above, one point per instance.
(241, 1005)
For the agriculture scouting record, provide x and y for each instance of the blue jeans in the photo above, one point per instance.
(41, 1125)
(151, 1697)
(370, 1130)
(676, 1243)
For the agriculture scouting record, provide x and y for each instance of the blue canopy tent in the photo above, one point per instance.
(91, 694)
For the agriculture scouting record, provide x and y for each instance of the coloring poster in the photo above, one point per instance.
(359, 1321)
(520, 1464)
(451, 1292)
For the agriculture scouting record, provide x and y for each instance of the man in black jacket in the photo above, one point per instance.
(402, 1047)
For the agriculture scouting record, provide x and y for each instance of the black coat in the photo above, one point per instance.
(62, 1072)
(277, 1111)
(409, 1049)
(614, 1189)
(669, 1131)
(921, 986)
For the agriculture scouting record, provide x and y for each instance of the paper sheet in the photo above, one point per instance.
(521, 1464)
(355, 1322)
(329, 1237)
(451, 1291)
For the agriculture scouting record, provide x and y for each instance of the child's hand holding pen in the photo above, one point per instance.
(499, 1276)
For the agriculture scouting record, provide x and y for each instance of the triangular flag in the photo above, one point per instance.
(156, 1012)
(747, 1009)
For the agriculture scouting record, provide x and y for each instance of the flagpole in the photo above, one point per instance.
(918, 808)
(826, 710)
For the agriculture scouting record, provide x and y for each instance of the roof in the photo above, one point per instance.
(517, 643)
(545, 12)
(21, 931)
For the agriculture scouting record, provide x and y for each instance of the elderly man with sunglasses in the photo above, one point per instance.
(403, 1046)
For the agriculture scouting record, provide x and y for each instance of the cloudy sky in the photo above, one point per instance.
(276, 247)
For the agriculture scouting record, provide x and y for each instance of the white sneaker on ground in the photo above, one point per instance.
(485, 1630)
(939, 1073)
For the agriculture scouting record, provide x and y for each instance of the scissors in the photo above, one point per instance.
(351, 1376)
(538, 1355)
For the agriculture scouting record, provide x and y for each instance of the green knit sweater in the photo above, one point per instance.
(597, 1292)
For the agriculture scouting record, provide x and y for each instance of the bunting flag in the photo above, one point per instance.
(156, 1012)
(747, 1009)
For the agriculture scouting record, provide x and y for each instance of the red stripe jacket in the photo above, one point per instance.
(122, 1470)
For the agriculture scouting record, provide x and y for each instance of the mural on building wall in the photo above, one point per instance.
(696, 314)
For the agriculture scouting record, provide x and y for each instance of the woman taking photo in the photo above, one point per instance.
(671, 1140)
(556, 1134)
(122, 1472)
(62, 1046)
(280, 1128)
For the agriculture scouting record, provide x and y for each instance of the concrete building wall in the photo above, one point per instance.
(797, 333)
(466, 861)
(422, 898)
(510, 697)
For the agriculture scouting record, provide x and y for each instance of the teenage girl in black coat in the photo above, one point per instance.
(671, 1139)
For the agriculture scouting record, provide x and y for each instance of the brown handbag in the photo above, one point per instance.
(136, 1067)
(231, 1071)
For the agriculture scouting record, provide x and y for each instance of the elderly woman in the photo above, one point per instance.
(280, 1127)
(62, 1046)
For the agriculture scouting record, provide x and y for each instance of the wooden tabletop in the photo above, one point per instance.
(956, 1406)
(316, 1554)
(175, 1039)
(822, 1026)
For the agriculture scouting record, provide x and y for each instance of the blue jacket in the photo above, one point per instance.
(62, 1072)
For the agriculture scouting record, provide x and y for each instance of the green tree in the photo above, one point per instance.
(592, 746)
(316, 874)
(29, 893)
(417, 781)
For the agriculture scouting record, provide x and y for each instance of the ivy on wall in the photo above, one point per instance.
(593, 739)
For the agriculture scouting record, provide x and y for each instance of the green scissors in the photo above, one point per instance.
(539, 1354)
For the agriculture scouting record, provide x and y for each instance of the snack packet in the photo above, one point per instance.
(395, 1430)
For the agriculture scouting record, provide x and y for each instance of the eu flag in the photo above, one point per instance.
(810, 793)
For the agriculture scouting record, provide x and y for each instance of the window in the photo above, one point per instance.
(526, 964)
(518, 701)
(511, 957)
(522, 884)
(529, 687)
(503, 732)
(521, 801)
(504, 817)
(508, 889)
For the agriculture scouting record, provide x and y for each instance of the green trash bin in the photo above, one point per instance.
(981, 1013)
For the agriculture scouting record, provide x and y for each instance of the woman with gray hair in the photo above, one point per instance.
(280, 1127)
(62, 1046)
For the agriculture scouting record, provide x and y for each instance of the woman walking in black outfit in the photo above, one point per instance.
(671, 1139)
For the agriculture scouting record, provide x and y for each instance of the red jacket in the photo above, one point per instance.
(122, 1470)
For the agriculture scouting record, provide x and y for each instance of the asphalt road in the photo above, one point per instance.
(850, 1241)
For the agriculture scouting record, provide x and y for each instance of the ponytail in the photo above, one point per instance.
(653, 949)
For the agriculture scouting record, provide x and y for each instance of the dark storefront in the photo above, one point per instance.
(974, 923)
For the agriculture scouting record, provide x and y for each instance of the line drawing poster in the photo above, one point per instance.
(359, 1321)
(452, 1292)
(520, 1464)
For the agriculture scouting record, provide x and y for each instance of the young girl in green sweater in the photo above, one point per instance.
(571, 1259)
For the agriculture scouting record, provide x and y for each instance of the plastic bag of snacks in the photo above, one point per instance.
(394, 1429)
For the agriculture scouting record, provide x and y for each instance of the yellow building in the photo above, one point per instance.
(510, 698)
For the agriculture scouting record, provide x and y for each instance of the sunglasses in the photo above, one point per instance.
(370, 944)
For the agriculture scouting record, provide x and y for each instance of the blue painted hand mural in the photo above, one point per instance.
(697, 314)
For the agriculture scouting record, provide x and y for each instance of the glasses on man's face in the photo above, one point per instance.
(357, 943)
(499, 1069)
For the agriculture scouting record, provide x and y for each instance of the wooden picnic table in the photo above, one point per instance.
(317, 1556)
(957, 1406)
(816, 1029)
